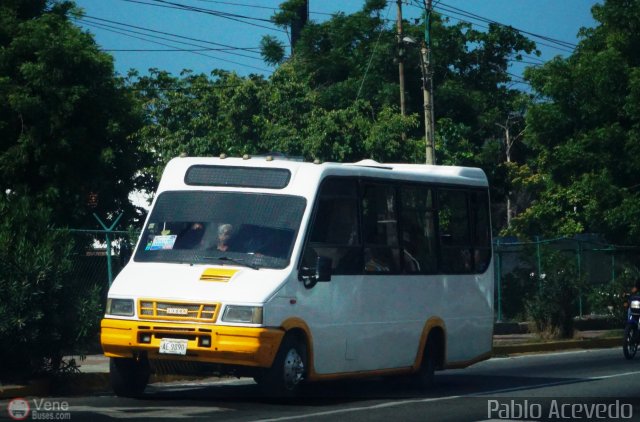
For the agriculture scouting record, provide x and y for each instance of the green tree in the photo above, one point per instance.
(64, 116)
(585, 130)
(45, 312)
(224, 113)
(196, 115)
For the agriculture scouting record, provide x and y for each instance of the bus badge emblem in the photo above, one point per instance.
(177, 311)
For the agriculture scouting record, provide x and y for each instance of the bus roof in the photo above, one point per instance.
(305, 173)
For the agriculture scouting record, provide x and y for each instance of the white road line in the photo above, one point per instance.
(435, 399)
(604, 377)
(545, 354)
(169, 412)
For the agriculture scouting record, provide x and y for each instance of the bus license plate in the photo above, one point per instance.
(173, 346)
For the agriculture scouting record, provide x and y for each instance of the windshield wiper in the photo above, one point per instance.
(237, 261)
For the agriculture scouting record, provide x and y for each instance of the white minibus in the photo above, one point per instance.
(293, 272)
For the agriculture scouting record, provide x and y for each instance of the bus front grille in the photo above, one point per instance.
(177, 311)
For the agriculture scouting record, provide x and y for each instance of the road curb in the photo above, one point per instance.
(38, 387)
(551, 346)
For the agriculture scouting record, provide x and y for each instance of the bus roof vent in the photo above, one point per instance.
(372, 163)
(237, 176)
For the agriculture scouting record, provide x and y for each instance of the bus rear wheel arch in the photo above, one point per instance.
(432, 359)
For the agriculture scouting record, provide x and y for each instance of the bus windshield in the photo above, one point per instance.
(228, 228)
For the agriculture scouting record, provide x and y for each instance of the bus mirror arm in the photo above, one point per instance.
(322, 272)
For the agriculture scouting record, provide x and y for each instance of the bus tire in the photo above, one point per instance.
(288, 371)
(424, 379)
(129, 377)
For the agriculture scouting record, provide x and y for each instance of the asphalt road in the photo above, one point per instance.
(579, 385)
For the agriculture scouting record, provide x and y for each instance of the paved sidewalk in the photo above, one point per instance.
(94, 369)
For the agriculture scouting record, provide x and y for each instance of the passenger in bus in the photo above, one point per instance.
(376, 261)
(191, 237)
(225, 234)
(411, 264)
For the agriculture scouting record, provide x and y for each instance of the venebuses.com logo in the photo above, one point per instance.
(20, 409)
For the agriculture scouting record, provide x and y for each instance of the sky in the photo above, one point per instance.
(141, 34)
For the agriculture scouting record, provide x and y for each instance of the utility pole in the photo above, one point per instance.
(509, 140)
(427, 86)
(403, 106)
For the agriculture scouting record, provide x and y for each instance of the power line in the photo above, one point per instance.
(254, 6)
(187, 88)
(535, 64)
(160, 50)
(522, 31)
(117, 30)
(373, 52)
(519, 78)
(555, 43)
(506, 26)
(224, 15)
(125, 25)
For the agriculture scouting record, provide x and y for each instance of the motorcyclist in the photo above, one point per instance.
(635, 291)
(636, 288)
(631, 333)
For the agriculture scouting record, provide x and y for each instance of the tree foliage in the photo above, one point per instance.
(45, 312)
(584, 130)
(224, 113)
(64, 117)
(552, 306)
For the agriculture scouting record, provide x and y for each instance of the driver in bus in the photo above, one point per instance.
(225, 233)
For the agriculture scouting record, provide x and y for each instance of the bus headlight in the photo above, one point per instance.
(120, 307)
(243, 314)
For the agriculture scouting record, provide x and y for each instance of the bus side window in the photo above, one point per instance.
(334, 232)
(418, 230)
(380, 229)
(481, 230)
(455, 237)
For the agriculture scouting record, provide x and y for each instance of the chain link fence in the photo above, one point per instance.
(605, 272)
(96, 264)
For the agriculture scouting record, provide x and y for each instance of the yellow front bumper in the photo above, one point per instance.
(243, 346)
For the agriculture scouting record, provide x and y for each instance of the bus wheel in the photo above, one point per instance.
(129, 377)
(425, 377)
(288, 371)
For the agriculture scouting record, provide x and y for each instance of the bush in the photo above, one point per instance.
(45, 313)
(552, 306)
(517, 287)
(609, 299)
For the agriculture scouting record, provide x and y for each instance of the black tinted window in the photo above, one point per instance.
(454, 231)
(380, 229)
(253, 177)
(418, 229)
(334, 230)
(199, 227)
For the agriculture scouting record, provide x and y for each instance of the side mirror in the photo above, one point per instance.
(322, 272)
(323, 268)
